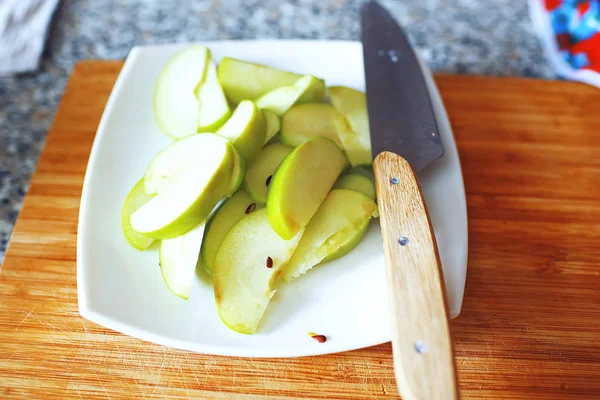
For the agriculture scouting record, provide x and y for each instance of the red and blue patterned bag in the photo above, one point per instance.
(570, 33)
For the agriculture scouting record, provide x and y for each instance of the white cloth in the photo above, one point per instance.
(23, 28)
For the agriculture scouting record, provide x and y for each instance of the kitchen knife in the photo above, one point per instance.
(404, 140)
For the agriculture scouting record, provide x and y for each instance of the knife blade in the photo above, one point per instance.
(405, 139)
(399, 106)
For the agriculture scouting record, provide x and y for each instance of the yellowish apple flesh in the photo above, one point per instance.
(222, 220)
(246, 270)
(306, 121)
(341, 219)
(259, 174)
(357, 141)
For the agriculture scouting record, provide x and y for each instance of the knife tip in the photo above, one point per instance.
(371, 4)
(372, 8)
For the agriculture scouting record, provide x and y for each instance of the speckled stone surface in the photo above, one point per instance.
(455, 36)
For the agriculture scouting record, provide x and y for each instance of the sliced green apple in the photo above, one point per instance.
(301, 183)
(212, 104)
(136, 198)
(358, 182)
(259, 174)
(246, 129)
(244, 80)
(357, 141)
(246, 268)
(189, 177)
(222, 220)
(175, 103)
(273, 124)
(308, 88)
(305, 121)
(340, 220)
(178, 260)
(238, 171)
(357, 234)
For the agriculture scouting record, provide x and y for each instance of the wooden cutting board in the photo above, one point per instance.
(530, 325)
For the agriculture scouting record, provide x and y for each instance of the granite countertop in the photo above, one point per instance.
(454, 36)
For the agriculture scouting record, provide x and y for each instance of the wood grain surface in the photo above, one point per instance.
(530, 324)
(415, 283)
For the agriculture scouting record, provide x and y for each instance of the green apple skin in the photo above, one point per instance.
(238, 171)
(350, 244)
(357, 141)
(282, 99)
(273, 125)
(212, 104)
(265, 166)
(335, 229)
(222, 220)
(189, 178)
(244, 280)
(175, 104)
(301, 183)
(178, 260)
(360, 183)
(246, 129)
(242, 80)
(136, 198)
(305, 121)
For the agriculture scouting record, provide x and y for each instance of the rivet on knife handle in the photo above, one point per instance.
(422, 347)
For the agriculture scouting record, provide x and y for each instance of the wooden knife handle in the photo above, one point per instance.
(422, 348)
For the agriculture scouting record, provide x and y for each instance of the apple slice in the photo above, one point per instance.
(178, 260)
(175, 102)
(212, 104)
(342, 218)
(246, 268)
(357, 141)
(244, 80)
(136, 198)
(273, 124)
(189, 177)
(222, 220)
(301, 183)
(356, 181)
(238, 171)
(260, 172)
(308, 88)
(305, 121)
(357, 235)
(246, 129)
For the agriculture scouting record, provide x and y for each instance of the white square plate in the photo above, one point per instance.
(122, 288)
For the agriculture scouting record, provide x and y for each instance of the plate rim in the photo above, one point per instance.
(108, 322)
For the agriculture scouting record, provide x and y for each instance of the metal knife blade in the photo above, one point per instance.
(401, 117)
